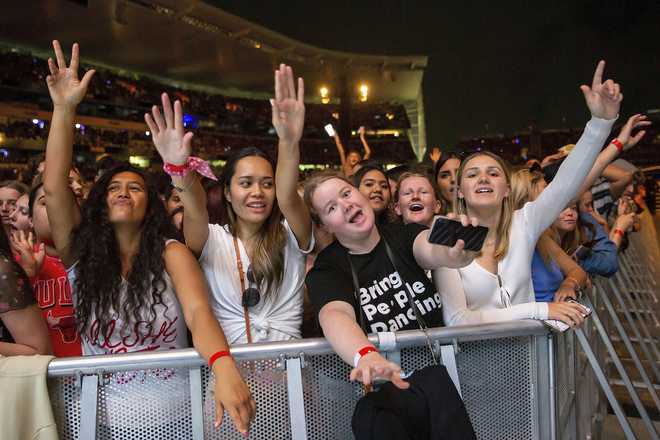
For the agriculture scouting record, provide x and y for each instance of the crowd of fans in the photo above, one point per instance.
(137, 259)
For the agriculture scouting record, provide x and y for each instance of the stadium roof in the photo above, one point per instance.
(189, 41)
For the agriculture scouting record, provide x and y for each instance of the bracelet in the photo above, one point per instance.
(620, 232)
(362, 352)
(217, 355)
(194, 164)
(617, 143)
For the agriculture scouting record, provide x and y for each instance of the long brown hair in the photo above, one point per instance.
(268, 254)
(503, 231)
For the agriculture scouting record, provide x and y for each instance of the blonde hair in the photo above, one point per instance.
(312, 184)
(503, 230)
(409, 174)
(523, 186)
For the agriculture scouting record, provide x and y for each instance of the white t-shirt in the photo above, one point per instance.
(138, 392)
(473, 295)
(278, 316)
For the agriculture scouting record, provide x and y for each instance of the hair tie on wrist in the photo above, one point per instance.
(617, 143)
(193, 163)
(217, 355)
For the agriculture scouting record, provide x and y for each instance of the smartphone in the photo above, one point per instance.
(330, 130)
(447, 232)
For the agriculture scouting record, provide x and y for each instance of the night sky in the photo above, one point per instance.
(494, 67)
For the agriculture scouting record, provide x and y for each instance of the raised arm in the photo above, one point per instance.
(289, 120)
(603, 100)
(174, 146)
(432, 256)
(337, 318)
(66, 92)
(231, 392)
(611, 152)
(363, 139)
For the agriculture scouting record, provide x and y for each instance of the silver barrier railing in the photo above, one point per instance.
(517, 380)
(301, 387)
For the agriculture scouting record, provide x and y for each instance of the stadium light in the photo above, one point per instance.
(325, 98)
(364, 92)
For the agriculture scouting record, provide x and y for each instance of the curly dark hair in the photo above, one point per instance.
(99, 279)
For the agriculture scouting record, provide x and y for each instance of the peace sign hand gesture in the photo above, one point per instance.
(65, 89)
(288, 109)
(173, 144)
(603, 98)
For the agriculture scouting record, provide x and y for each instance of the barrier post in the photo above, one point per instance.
(296, 398)
(89, 406)
(196, 405)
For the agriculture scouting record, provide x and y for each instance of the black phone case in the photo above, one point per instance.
(447, 232)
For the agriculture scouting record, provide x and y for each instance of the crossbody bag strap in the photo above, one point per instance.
(241, 276)
(418, 316)
(356, 292)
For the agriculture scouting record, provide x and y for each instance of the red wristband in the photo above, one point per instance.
(620, 232)
(617, 143)
(217, 355)
(362, 352)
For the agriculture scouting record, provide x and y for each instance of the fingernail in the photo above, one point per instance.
(272, 102)
(217, 423)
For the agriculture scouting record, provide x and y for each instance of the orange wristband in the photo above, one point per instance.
(620, 232)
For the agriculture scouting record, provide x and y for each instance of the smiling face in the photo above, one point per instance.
(126, 198)
(251, 191)
(417, 202)
(567, 220)
(484, 183)
(343, 210)
(375, 187)
(446, 179)
(20, 218)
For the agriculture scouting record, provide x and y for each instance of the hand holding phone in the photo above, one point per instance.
(447, 232)
(330, 130)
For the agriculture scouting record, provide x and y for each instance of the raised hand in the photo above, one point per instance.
(173, 144)
(461, 257)
(435, 155)
(31, 260)
(65, 89)
(603, 98)
(288, 108)
(374, 366)
(634, 121)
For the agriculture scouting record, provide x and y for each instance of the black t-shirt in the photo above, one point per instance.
(382, 294)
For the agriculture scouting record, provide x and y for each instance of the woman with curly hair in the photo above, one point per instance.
(132, 287)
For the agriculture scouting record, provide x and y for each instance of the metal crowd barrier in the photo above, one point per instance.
(301, 388)
(517, 379)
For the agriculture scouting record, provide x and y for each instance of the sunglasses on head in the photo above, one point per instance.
(251, 295)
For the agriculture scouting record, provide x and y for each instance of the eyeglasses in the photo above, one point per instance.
(251, 295)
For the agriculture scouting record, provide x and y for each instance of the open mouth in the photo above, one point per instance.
(376, 197)
(356, 217)
(256, 205)
(416, 207)
(483, 190)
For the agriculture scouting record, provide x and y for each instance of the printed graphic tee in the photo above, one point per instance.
(383, 295)
(53, 292)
